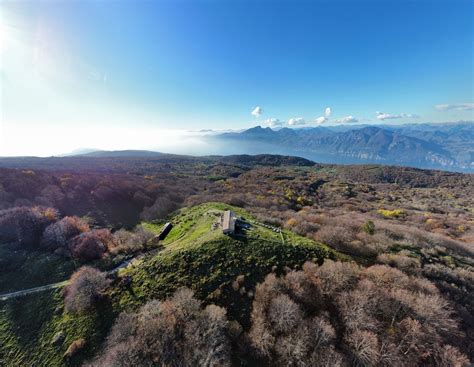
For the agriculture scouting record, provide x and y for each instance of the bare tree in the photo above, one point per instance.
(175, 332)
(85, 289)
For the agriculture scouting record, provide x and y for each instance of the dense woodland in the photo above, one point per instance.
(402, 297)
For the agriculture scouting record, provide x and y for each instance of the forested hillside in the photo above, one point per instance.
(337, 265)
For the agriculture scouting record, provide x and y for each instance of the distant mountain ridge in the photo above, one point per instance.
(421, 145)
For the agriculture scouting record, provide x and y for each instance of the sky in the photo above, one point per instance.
(139, 74)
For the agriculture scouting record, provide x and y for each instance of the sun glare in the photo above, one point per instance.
(5, 34)
(46, 141)
(3, 37)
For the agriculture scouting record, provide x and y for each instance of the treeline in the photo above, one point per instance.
(110, 200)
(37, 227)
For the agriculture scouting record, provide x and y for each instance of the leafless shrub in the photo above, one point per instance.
(300, 288)
(357, 306)
(383, 317)
(437, 312)
(284, 314)
(422, 238)
(124, 354)
(413, 341)
(335, 236)
(373, 244)
(51, 195)
(56, 235)
(141, 235)
(124, 327)
(461, 276)
(449, 356)
(386, 277)
(400, 261)
(327, 357)
(176, 332)
(25, 225)
(85, 289)
(349, 238)
(129, 242)
(322, 333)
(236, 200)
(92, 245)
(292, 349)
(364, 347)
(282, 331)
(334, 276)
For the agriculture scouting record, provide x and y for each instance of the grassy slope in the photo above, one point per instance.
(208, 262)
(22, 268)
(28, 324)
(194, 256)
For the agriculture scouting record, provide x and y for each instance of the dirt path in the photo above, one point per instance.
(122, 265)
(7, 296)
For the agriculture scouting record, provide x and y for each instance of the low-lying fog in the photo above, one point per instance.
(62, 141)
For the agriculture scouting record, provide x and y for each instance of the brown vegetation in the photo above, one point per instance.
(57, 235)
(175, 332)
(342, 314)
(25, 225)
(415, 307)
(86, 289)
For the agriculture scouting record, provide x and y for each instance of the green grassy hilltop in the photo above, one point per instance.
(197, 255)
(220, 269)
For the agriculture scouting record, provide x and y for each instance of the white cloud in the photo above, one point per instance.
(325, 118)
(386, 116)
(455, 106)
(321, 119)
(347, 119)
(273, 122)
(257, 111)
(296, 121)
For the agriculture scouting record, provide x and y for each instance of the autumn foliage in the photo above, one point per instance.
(85, 290)
(57, 234)
(25, 225)
(340, 314)
(176, 332)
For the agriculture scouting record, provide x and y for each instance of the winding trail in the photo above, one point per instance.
(24, 292)
(122, 265)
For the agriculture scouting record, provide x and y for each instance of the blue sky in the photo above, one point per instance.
(98, 66)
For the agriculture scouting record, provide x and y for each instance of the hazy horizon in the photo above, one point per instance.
(186, 142)
(132, 75)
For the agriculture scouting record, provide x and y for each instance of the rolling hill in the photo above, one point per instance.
(196, 255)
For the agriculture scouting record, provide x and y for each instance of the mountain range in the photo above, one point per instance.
(445, 146)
